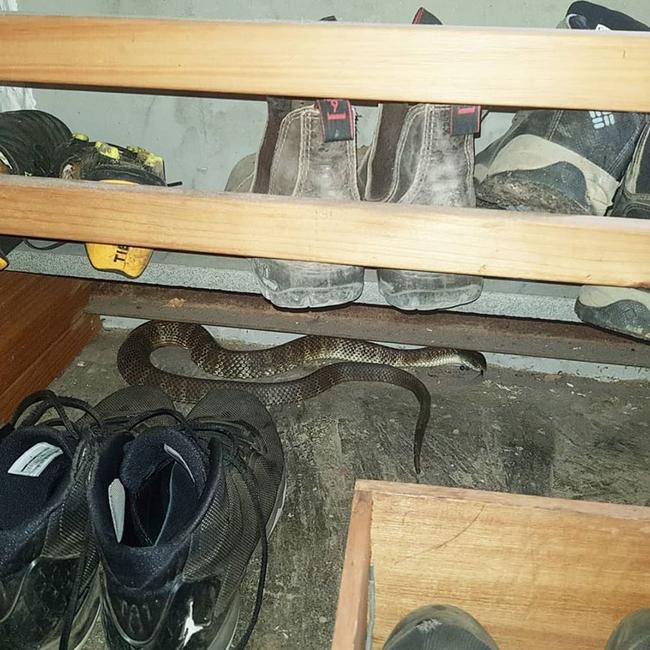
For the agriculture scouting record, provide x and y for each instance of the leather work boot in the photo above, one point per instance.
(562, 161)
(440, 627)
(423, 154)
(81, 159)
(308, 150)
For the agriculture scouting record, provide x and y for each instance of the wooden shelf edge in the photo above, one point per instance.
(366, 62)
(555, 248)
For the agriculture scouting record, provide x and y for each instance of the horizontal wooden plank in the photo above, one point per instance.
(492, 66)
(580, 249)
(528, 337)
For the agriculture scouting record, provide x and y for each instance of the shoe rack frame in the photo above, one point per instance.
(487, 66)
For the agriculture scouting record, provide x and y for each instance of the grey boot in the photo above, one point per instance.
(633, 633)
(440, 627)
(294, 160)
(415, 159)
(558, 160)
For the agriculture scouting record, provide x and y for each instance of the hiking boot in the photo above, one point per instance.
(562, 161)
(418, 156)
(81, 159)
(439, 627)
(615, 308)
(633, 633)
(178, 507)
(302, 155)
(48, 572)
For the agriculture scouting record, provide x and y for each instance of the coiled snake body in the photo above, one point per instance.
(361, 361)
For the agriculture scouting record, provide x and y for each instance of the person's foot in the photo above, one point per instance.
(633, 633)
(178, 506)
(440, 627)
(49, 585)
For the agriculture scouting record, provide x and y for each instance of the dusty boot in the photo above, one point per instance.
(420, 156)
(440, 627)
(633, 633)
(620, 309)
(557, 160)
(300, 157)
(81, 159)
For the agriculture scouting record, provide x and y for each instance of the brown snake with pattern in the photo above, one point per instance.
(359, 361)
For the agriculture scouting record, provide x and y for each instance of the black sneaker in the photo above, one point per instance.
(439, 627)
(633, 633)
(560, 160)
(178, 507)
(48, 573)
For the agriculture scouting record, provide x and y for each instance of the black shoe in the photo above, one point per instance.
(559, 160)
(439, 627)
(178, 507)
(48, 572)
(633, 633)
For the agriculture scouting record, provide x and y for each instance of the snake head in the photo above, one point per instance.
(473, 361)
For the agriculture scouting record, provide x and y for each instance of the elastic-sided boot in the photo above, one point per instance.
(418, 157)
(296, 159)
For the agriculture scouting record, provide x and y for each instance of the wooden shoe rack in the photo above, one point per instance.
(486, 66)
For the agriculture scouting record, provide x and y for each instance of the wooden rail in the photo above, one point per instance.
(588, 250)
(490, 66)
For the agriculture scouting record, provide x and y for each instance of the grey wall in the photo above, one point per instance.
(201, 139)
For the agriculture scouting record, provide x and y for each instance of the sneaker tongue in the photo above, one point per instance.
(163, 474)
(33, 462)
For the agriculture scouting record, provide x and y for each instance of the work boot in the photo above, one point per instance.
(621, 309)
(422, 154)
(633, 633)
(562, 161)
(28, 141)
(440, 627)
(301, 155)
(81, 159)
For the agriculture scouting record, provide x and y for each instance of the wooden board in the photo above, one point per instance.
(43, 327)
(584, 250)
(498, 66)
(521, 336)
(537, 572)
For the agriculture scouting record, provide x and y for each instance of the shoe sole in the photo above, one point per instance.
(626, 311)
(232, 617)
(307, 285)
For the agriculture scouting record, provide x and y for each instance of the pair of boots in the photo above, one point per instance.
(135, 510)
(579, 162)
(443, 627)
(421, 154)
(35, 143)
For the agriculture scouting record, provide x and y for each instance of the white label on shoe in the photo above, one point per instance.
(117, 503)
(177, 457)
(602, 28)
(35, 460)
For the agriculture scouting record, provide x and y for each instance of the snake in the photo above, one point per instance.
(350, 360)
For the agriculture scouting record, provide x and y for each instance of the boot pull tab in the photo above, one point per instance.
(337, 119)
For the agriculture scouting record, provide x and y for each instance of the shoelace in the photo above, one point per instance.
(233, 436)
(29, 413)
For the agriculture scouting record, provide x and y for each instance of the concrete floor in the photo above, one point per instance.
(511, 431)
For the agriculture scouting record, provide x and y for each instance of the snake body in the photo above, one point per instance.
(357, 361)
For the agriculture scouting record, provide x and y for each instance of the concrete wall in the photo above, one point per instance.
(201, 139)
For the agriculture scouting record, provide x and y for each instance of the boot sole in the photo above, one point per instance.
(626, 311)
